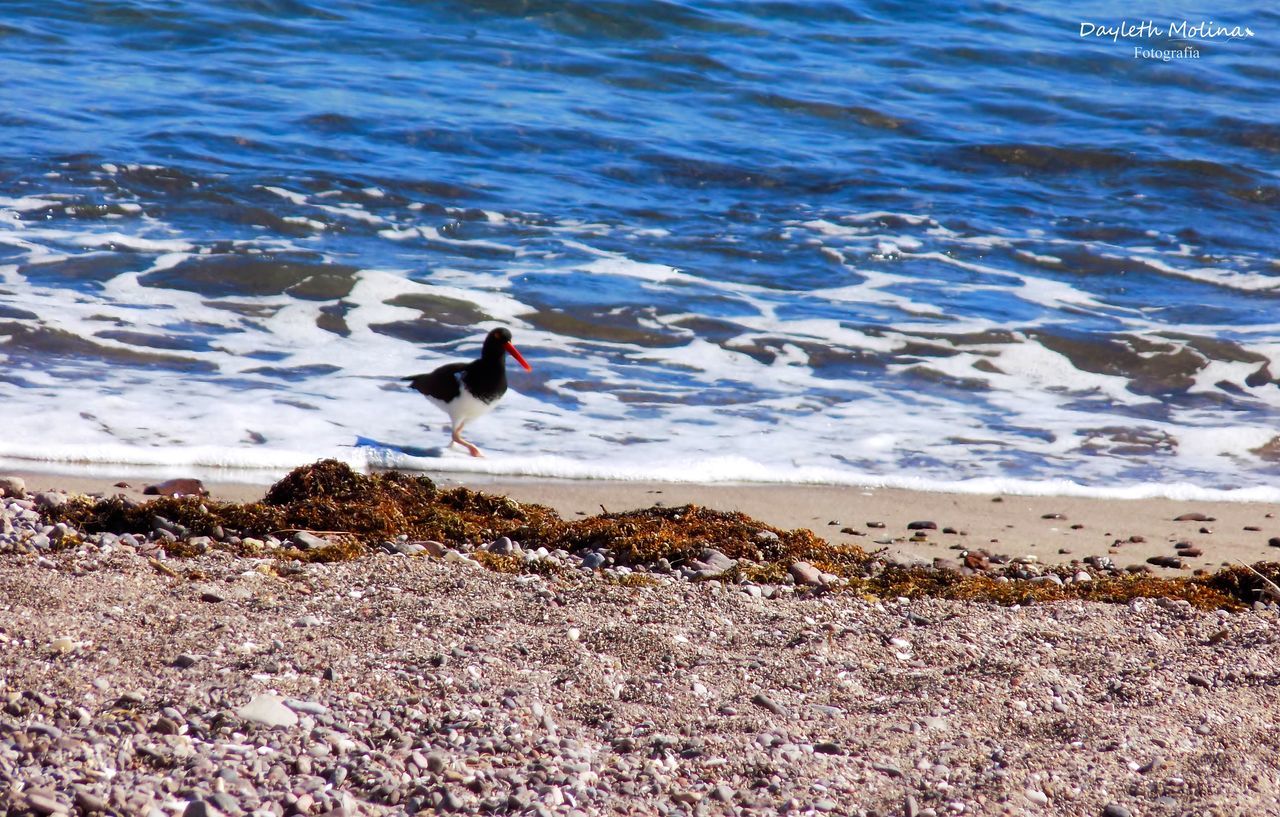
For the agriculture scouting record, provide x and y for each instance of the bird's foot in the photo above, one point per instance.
(471, 449)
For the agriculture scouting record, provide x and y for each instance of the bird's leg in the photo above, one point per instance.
(457, 438)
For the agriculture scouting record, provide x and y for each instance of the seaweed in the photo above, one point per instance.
(358, 512)
(330, 498)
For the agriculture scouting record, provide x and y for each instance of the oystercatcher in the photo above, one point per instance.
(467, 390)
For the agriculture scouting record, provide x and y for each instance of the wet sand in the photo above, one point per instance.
(1055, 530)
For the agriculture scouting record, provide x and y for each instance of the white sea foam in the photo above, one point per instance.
(696, 410)
(1234, 279)
(263, 467)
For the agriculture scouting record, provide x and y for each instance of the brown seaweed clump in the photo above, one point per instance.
(330, 498)
(356, 511)
(678, 535)
(1204, 593)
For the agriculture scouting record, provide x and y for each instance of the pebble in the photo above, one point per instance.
(177, 487)
(805, 573)
(922, 525)
(201, 808)
(14, 487)
(1194, 516)
(306, 707)
(50, 499)
(43, 801)
(765, 702)
(1115, 810)
(89, 803)
(503, 546)
(305, 540)
(1167, 561)
(711, 564)
(268, 710)
(434, 548)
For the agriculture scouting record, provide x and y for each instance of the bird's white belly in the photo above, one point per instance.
(463, 408)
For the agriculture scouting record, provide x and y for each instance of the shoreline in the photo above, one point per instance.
(1052, 529)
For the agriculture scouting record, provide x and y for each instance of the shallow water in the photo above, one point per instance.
(779, 241)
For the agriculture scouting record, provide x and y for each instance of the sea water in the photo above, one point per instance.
(955, 245)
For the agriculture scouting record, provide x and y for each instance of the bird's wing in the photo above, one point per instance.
(444, 383)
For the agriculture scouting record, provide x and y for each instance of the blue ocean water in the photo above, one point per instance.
(815, 241)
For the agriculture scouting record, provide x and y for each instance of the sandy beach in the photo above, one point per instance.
(218, 685)
(1055, 530)
(483, 678)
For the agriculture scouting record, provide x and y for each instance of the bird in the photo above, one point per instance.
(466, 391)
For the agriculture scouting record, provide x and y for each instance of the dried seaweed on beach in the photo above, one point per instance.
(356, 512)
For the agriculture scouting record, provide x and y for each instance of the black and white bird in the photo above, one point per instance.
(465, 391)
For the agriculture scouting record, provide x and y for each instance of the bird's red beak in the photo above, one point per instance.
(514, 352)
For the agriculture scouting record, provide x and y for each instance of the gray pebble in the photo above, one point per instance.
(201, 808)
(303, 540)
(13, 486)
(268, 710)
(710, 564)
(805, 573)
(43, 801)
(503, 546)
(765, 702)
(88, 802)
(50, 499)
(306, 707)
(434, 548)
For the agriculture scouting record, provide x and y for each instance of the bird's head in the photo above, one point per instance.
(498, 342)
